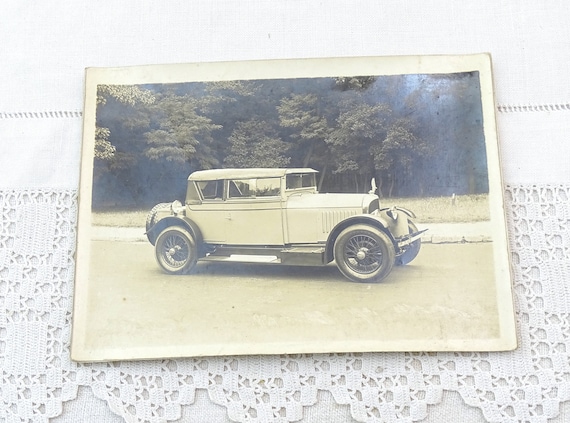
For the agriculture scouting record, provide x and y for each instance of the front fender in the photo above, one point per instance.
(397, 220)
(185, 223)
(378, 220)
(408, 212)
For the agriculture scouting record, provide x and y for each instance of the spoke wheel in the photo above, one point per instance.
(364, 253)
(176, 250)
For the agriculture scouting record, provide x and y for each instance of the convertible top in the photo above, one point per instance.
(215, 174)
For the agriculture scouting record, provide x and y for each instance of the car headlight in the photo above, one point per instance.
(175, 207)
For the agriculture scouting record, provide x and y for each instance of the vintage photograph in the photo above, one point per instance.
(294, 206)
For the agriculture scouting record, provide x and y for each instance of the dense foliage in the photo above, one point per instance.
(417, 135)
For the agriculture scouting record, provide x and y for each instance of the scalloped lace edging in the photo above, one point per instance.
(37, 246)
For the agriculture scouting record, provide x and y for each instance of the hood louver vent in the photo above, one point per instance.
(331, 217)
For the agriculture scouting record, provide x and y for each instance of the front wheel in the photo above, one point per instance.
(364, 253)
(176, 250)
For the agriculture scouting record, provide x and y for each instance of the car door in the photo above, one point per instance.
(254, 212)
(211, 214)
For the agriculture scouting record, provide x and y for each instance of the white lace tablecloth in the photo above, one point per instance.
(45, 47)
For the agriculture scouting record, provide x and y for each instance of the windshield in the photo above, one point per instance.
(300, 180)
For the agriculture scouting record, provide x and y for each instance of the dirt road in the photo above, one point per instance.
(448, 292)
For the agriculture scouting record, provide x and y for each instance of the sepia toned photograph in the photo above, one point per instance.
(294, 206)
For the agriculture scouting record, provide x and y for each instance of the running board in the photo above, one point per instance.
(298, 256)
(242, 258)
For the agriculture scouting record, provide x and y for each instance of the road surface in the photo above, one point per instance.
(447, 293)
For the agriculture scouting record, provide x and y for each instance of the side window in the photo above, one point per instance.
(242, 188)
(211, 190)
(254, 188)
(268, 187)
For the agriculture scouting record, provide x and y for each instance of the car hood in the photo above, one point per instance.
(329, 201)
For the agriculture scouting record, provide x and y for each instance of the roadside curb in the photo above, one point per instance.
(437, 233)
(455, 240)
(109, 233)
(454, 233)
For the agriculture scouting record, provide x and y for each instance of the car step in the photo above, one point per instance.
(244, 258)
(299, 256)
(304, 256)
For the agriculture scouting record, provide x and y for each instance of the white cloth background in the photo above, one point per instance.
(44, 49)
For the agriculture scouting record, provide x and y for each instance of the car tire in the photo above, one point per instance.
(412, 250)
(151, 216)
(176, 251)
(364, 253)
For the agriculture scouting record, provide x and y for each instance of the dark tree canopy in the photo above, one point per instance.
(417, 135)
(254, 143)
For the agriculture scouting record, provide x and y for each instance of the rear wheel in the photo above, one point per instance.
(176, 250)
(364, 253)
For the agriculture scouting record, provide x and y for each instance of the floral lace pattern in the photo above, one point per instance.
(37, 246)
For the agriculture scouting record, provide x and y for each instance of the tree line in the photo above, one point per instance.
(417, 135)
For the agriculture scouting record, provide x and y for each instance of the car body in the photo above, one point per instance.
(278, 216)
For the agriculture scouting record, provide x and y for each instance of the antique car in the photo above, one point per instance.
(278, 216)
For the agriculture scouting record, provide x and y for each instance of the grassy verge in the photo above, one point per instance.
(465, 208)
(120, 218)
